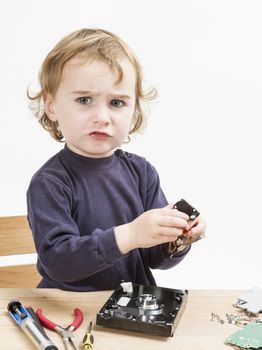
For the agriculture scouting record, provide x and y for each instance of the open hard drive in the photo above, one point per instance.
(146, 309)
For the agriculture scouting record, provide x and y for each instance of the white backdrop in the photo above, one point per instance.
(203, 134)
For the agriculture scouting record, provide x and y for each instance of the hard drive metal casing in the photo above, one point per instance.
(147, 309)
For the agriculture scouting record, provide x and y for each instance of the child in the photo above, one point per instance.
(97, 213)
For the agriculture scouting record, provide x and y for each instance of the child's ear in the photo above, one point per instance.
(50, 107)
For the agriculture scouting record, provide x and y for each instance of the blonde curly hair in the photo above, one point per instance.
(90, 44)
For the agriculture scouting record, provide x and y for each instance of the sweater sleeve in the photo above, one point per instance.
(64, 253)
(158, 257)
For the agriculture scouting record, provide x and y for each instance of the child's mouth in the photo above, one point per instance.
(99, 135)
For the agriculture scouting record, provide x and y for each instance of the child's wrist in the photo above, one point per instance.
(124, 238)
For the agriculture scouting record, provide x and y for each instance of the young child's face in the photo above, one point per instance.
(93, 112)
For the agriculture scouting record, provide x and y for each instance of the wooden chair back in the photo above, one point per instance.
(15, 239)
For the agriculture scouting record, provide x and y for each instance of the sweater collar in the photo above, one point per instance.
(87, 162)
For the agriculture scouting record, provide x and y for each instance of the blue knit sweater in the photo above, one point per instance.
(74, 203)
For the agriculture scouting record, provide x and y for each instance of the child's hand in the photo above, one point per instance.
(151, 228)
(196, 228)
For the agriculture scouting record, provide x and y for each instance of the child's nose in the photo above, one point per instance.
(101, 115)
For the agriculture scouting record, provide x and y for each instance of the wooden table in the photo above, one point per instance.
(195, 330)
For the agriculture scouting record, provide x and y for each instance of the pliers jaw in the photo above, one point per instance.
(68, 336)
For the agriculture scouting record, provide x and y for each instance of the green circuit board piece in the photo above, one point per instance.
(250, 337)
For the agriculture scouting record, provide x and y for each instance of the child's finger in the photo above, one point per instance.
(199, 229)
(175, 212)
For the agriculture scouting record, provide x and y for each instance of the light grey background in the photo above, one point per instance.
(204, 131)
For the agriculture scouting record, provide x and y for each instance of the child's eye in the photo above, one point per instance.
(84, 100)
(117, 103)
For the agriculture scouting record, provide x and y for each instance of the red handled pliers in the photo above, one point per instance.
(65, 332)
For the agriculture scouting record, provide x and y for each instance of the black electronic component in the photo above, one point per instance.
(147, 309)
(182, 242)
(186, 208)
